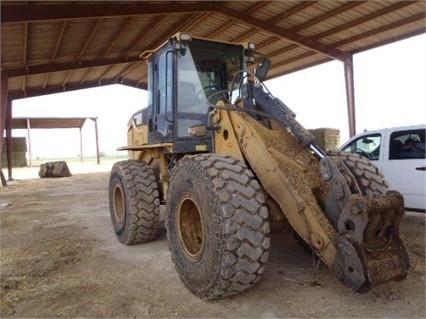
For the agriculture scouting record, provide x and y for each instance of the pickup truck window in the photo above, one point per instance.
(367, 146)
(408, 144)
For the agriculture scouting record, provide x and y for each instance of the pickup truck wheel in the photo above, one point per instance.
(134, 202)
(217, 225)
(369, 178)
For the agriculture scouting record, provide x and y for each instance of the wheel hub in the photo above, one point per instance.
(118, 202)
(190, 228)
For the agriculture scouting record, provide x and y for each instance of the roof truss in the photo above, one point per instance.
(117, 59)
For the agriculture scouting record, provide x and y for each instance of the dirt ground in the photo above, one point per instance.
(60, 259)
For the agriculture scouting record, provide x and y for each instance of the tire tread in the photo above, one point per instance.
(245, 224)
(142, 201)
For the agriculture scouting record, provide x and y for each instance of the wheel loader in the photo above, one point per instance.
(227, 163)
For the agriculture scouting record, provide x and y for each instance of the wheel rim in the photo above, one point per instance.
(190, 228)
(119, 209)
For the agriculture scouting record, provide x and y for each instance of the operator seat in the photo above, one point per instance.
(188, 101)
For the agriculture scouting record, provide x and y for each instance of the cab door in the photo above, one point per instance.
(161, 122)
(191, 107)
(404, 166)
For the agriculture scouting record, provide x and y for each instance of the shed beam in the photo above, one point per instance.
(163, 37)
(55, 52)
(59, 40)
(138, 84)
(43, 12)
(299, 67)
(155, 22)
(31, 92)
(66, 66)
(25, 50)
(89, 38)
(195, 21)
(122, 31)
(365, 18)
(296, 9)
(67, 78)
(87, 75)
(289, 35)
(328, 15)
(391, 40)
(296, 58)
(226, 26)
(372, 32)
(83, 50)
(390, 26)
(343, 27)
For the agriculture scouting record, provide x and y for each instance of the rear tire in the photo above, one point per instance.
(217, 225)
(134, 202)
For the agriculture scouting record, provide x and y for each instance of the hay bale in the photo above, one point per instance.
(19, 144)
(19, 159)
(19, 150)
(327, 138)
(54, 169)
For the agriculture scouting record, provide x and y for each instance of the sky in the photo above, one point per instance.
(390, 90)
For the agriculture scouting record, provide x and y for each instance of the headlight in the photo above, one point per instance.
(184, 36)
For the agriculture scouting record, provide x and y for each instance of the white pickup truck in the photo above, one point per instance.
(400, 154)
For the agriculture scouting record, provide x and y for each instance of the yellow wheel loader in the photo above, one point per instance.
(230, 163)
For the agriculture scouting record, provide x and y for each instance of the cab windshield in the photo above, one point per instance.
(216, 64)
(204, 68)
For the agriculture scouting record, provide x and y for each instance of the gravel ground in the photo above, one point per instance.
(60, 259)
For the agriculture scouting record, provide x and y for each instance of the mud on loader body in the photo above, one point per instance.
(230, 163)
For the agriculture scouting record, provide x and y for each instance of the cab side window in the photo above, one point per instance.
(165, 82)
(409, 144)
(367, 146)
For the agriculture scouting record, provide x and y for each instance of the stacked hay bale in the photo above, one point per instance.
(19, 151)
(327, 138)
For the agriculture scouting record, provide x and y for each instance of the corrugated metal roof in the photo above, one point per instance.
(49, 122)
(50, 47)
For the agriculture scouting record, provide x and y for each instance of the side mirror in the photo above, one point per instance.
(263, 68)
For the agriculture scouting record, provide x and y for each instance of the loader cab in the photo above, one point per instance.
(185, 75)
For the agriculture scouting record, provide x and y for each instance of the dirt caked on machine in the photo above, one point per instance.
(230, 163)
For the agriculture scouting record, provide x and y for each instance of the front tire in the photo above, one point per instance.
(369, 179)
(217, 225)
(134, 202)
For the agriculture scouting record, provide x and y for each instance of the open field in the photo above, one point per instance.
(60, 259)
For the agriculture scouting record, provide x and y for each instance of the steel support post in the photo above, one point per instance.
(30, 152)
(9, 142)
(350, 94)
(3, 107)
(98, 160)
(81, 145)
